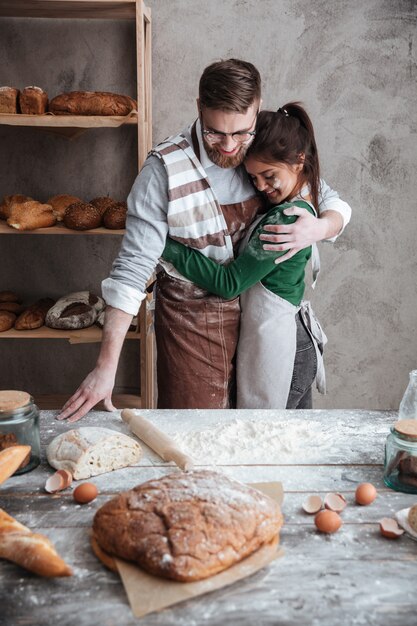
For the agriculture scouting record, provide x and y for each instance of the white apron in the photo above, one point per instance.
(268, 343)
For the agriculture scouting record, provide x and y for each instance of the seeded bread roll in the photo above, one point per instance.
(114, 217)
(7, 320)
(82, 216)
(31, 215)
(60, 204)
(35, 315)
(9, 100)
(9, 201)
(91, 103)
(188, 525)
(102, 203)
(33, 101)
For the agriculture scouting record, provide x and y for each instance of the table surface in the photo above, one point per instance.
(352, 577)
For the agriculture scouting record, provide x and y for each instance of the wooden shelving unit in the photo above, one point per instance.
(72, 126)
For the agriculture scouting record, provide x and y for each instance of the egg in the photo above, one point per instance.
(86, 492)
(365, 494)
(328, 521)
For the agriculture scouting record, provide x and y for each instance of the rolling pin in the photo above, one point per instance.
(156, 439)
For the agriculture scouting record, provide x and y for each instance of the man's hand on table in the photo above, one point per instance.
(98, 385)
(302, 233)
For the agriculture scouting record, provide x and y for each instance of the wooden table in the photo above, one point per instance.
(353, 577)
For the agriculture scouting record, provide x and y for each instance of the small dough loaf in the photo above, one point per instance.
(114, 217)
(82, 216)
(60, 204)
(33, 101)
(8, 99)
(188, 525)
(8, 203)
(31, 215)
(35, 315)
(74, 311)
(90, 451)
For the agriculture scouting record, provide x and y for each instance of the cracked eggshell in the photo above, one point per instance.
(389, 528)
(312, 504)
(335, 502)
(58, 481)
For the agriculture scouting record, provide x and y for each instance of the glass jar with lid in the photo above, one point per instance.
(400, 467)
(19, 425)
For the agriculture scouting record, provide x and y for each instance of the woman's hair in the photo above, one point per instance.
(285, 135)
(230, 85)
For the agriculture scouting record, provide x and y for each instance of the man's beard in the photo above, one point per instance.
(224, 161)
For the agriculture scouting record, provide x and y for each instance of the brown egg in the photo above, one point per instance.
(365, 494)
(328, 521)
(86, 492)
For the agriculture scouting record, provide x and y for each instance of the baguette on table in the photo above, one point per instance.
(33, 551)
(10, 460)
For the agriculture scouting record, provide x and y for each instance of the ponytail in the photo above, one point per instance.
(283, 136)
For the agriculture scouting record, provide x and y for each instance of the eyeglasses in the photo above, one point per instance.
(240, 136)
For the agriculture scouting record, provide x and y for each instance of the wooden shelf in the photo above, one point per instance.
(85, 335)
(91, 9)
(59, 229)
(68, 121)
(56, 401)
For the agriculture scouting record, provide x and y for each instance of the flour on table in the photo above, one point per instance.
(256, 442)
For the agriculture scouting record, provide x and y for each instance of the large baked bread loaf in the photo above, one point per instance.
(91, 103)
(31, 215)
(91, 451)
(33, 101)
(79, 309)
(9, 99)
(187, 526)
(34, 316)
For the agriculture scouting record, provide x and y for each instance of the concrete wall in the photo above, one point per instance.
(352, 64)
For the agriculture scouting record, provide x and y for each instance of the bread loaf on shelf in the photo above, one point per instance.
(33, 101)
(102, 203)
(31, 215)
(34, 316)
(8, 203)
(7, 320)
(114, 217)
(30, 550)
(74, 311)
(9, 100)
(90, 451)
(9, 296)
(13, 307)
(187, 526)
(82, 216)
(60, 203)
(91, 103)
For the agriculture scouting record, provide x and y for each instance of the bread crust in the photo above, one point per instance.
(74, 311)
(60, 203)
(8, 202)
(9, 100)
(114, 217)
(33, 101)
(7, 320)
(34, 316)
(31, 215)
(82, 216)
(187, 526)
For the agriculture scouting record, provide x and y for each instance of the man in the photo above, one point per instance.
(194, 187)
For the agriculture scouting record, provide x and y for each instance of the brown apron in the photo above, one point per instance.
(197, 333)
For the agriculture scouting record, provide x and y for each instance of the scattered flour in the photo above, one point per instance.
(257, 442)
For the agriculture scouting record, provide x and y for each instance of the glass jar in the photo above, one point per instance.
(19, 425)
(400, 467)
(408, 405)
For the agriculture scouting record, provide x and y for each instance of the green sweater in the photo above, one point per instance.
(253, 265)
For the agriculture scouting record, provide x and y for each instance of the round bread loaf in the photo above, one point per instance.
(115, 216)
(188, 525)
(74, 311)
(9, 296)
(60, 203)
(82, 216)
(102, 203)
(34, 316)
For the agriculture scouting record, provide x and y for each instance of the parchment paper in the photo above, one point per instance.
(149, 593)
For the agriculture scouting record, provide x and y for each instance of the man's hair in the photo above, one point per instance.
(230, 85)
